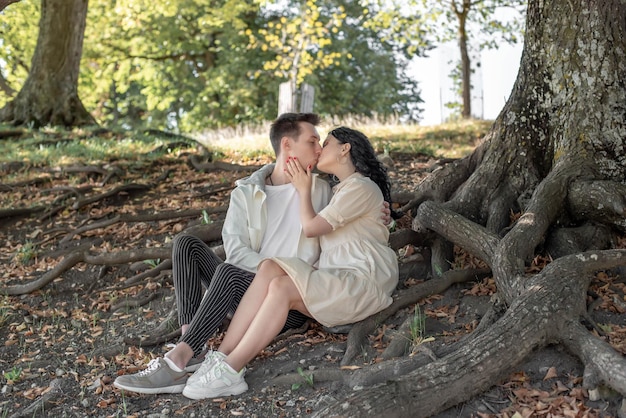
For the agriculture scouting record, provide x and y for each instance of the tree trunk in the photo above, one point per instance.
(49, 95)
(5, 3)
(556, 154)
(466, 85)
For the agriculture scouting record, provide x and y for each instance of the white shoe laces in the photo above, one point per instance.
(152, 366)
(207, 363)
(215, 372)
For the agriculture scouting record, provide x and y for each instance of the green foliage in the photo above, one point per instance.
(370, 79)
(296, 38)
(196, 64)
(417, 328)
(152, 263)
(26, 253)
(166, 64)
(206, 220)
(13, 374)
(486, 28)
(18, 37)
(79, 146)
(417, 325)
(308, 379)
(453, 140)
(475, 25)
(5, 310)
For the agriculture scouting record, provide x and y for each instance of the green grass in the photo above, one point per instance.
(57, 147)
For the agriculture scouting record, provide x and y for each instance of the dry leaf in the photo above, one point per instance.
(551, 373)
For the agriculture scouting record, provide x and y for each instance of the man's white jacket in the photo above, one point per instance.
(246, 220)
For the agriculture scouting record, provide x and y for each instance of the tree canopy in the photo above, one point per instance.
(196, 64)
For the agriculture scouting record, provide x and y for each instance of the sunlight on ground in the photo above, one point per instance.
(57, 147)
(451, 140)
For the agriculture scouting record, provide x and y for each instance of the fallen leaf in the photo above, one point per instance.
(551, 373)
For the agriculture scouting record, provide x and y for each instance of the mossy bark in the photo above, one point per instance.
(561, 133)
(49, 95)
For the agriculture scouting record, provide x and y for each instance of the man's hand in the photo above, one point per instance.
(386, 215)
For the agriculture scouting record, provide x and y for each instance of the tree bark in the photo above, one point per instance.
(555, 156)
(5, 3)
(466, 85)
(50, 93)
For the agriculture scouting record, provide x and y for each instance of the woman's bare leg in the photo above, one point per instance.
(282, 295)
(250, 304)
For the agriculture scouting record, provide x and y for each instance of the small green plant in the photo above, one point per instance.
(124, 406)
(26, 253)
(95, 317)
(5, 311)
(153, 263)
(417, 327)
(308, 379)
(205, 218)
(13, 374)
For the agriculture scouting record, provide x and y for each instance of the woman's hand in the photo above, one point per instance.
(299, 177)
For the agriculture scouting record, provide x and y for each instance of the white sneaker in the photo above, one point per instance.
(221, 380)
(196, 362)
(210, 358)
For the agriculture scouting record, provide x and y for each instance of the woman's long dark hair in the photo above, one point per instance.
(364, 159)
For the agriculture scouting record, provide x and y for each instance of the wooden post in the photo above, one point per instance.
(306, 98)
(285, 98)
(288, 98)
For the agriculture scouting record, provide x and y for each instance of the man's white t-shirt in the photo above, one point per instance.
(283, 222)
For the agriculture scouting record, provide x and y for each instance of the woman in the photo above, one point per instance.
(356, 275)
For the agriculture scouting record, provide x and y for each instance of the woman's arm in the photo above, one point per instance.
(313, 225)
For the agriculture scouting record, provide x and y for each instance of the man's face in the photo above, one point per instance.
(307, 147)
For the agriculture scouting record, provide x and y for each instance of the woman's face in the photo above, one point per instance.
(330, 156)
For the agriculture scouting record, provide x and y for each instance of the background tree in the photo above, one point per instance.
(194, 64)
(556, 158)
(329, 45)
(18, 34)
(371, 76)
(177, 65)
(477, 23)
(49, 94)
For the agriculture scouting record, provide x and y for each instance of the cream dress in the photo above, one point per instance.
(357, 270)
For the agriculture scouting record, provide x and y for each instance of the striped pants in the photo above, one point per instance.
(195, 268)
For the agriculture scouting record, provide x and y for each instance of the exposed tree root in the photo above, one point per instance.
(402, 339)
(359, 332)
(153, 340)
(127, 304)
(48, 400)
(219, 165)
(486, 356)
(78, 257)
(126, 188)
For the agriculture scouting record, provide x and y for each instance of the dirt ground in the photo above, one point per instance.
(64, 344)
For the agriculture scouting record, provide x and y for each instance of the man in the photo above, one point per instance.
(262, 221)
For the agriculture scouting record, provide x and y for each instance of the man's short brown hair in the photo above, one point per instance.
(287, 124)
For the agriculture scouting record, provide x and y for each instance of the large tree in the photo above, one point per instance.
(556, 155)
(49, 95)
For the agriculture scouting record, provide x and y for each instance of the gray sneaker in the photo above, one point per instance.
(221, 380)
(158, 377)
(210, 358)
